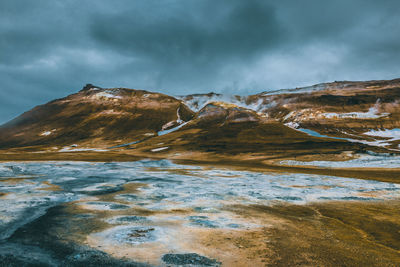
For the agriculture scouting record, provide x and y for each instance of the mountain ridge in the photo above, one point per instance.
(338, 117)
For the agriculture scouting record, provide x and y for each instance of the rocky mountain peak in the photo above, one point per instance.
(88, 86)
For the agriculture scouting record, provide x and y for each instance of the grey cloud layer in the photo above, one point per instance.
(51, 48)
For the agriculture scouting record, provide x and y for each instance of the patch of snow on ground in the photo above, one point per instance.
(47, 133)
(73, 149)
(393, 134)
(371, 161)
(293, 125)
(372, 113)
(159, 149)
(380, 143)
(107, 95)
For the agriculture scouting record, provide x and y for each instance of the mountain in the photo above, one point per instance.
(95, 117)
(367, 112)
(364, 112)
(226, 129)
(326, 118)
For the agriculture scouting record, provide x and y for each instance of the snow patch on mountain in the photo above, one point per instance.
(308, 114)
(379, 143)
(112, 93)
(392, 134)
(107, 95)
(372, 113)
(293, 125)
(159, 149)
(47, 133)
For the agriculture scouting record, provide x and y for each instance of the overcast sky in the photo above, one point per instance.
(52, 48)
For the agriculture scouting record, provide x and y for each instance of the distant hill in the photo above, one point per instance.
(338, 116)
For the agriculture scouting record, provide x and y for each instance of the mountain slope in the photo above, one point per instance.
(222, 128)
(95, 117)
(325, 118)
(366, 112)
(363, 111)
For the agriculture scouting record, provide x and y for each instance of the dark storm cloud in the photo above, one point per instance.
(204, 34)
(189, 44)
(51, 48)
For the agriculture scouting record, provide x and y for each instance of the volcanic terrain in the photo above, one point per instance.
(333, 119)
(122, 177)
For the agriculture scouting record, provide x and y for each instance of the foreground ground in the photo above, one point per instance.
(154, 212)
(244, 161)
